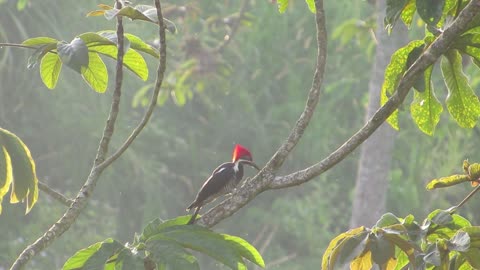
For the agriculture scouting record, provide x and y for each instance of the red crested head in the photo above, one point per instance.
(240, 152)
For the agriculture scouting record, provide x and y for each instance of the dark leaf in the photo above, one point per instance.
(430, 10)
(74, 54)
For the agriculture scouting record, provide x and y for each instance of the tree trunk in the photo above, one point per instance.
(375, 154)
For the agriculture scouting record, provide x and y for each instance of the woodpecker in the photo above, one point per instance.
(223, 179)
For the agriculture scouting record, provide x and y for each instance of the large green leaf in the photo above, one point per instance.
(394, 9)
(157, 226)
(246, 250)
(408, 12)
(74, 54)
(94, 257)
(393, 74)
(335, 246)
(96, 74)
(127, 260)
(462, 103)
(18, 169)
(171, 254)
(430, 10)
(39, 41)
(425, 108)
(140, 45)
(50, 68)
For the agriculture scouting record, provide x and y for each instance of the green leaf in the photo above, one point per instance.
(387, 220)
(171, 254)
(39, 41)
(196, 238)
(39, 53)
(138, 44)
(472, 257)
(382, 249)
(462, 103)
(408, 12)
(245, 249)
(393, 73)
(419, 84)
(448, 181)
(21, 4)
(433, 256)
(74, 54)
(96, 74)
(311, 5)
(157, 226)
(25, 182)
(440, 217)
(407, 247)
(394, 9)
(5, 174)
(126, 260)
(282, 5)
(93, 257)
(94, 39)
(50, 68)
(425, 108)
(430, 10)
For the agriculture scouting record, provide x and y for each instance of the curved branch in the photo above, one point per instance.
(100, 162)
(259, 183)
(428, 58)
(54, 194)
(265, 180)
(153, 102)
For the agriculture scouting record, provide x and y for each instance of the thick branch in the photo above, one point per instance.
(259, 183)
(436, 49)
(265, 180)
(54, 194)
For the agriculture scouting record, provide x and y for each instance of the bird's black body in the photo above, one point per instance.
(223, 180)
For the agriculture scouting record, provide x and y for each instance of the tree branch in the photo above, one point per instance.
(234, 28)
(153, 102)
(64, 223)
(259, 183)
(54, 194)
(265, 179)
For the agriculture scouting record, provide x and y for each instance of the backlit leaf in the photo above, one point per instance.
(50, 68)
(447, 181)
(96, 74)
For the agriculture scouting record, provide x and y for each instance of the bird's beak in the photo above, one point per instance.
(248, 162)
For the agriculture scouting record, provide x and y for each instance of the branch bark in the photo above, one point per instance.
(54, 194)
(266, 179)
(100, 163)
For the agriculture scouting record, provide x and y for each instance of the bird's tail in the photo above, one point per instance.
(194, 216)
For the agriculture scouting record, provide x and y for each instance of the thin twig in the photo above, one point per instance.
(54, 194)
(156, 91)
(17, 45)
(64, 223)
(467, 198)
(234, 28)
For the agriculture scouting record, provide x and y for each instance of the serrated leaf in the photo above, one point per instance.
(462, 103)
(24, 179)
(447, 181)
(393, 11)
(39, 41)
(430, 10)
(311, 6)
(74, 54)
(50, 68)
(393, 74)
(96, 74)
(408, 12)
(425, 108)
(6, 176)
(282, 5)
(93, 257)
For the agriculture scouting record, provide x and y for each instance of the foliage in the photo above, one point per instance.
(462, 103)
(164, 243)
(82, 55)
(17, 170)
(443, 239)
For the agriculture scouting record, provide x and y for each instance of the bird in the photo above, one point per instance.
(223, 179)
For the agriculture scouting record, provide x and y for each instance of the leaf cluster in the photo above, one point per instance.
(462, 103)
(166, 245)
